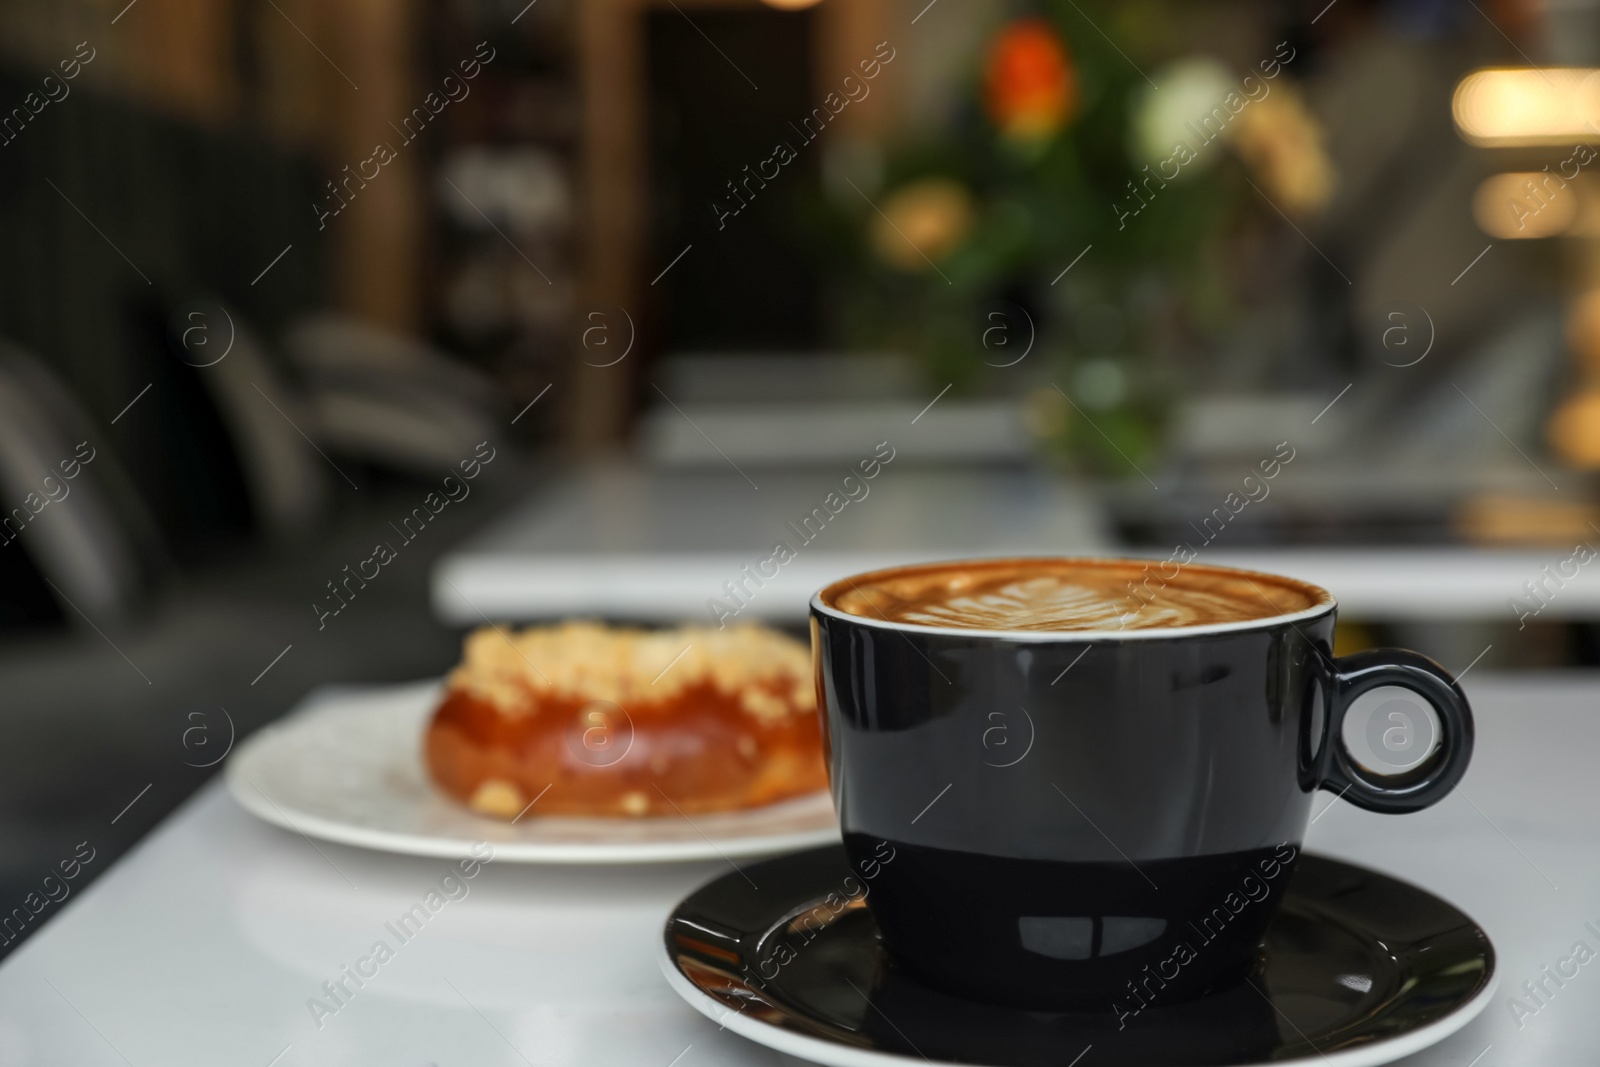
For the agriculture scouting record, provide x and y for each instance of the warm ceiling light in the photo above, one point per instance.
(791, 5)
(1523, 106)
(1531, 204)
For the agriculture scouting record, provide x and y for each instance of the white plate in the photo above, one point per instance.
(348, 768)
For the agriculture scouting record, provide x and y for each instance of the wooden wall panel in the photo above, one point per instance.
(378, 240)
(616, 178)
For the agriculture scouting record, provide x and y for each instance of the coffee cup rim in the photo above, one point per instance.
(1326, 604)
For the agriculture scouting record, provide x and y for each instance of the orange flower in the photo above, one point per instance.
(1030, 89)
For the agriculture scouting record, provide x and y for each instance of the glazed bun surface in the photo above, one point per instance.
(594, 721)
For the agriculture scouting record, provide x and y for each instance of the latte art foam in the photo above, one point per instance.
(1054, 603)
(1058, 594)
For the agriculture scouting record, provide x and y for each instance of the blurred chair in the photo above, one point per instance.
(73, 533)
(219, 445)
(387, 399)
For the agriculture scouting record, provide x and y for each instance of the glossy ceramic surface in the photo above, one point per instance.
(1357, 968)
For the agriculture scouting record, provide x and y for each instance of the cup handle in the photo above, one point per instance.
(1417, 788)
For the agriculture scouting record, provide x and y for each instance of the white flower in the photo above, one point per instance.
(1163, 119)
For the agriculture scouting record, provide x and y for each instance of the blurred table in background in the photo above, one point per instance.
(634, 542)
(637, 543)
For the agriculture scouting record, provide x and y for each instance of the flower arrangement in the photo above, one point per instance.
(1072, 190)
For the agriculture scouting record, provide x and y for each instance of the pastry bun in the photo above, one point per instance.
(583, 719)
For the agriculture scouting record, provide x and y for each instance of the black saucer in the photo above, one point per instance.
(1358, 968)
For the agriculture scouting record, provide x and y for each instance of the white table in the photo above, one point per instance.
(203, 944)
(626, 541)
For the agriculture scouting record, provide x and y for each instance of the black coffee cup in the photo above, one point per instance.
(1098, 818)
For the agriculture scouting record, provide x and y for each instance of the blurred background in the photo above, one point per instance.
(330, 329)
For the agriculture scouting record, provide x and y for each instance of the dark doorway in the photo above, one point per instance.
(724, 88)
